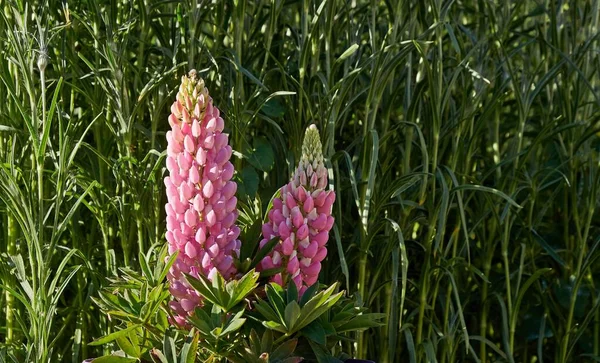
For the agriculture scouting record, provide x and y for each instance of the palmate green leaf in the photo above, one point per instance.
(266, 311)
(128, 346)
(292, 313)
(240, 288)
(292, 292)
(276, 326)
(362, 322)
(168, 265)
(322, 353)
(205, 288)
(225, 295)
(145, 268)
(276, 297)
(315, 332)
(190, 348)
(309, 294)
(115, 359)
(158, 356)
(316, 306)
(169, 348)
(284, 350)
(250, 181)
(234, 325)
(110, 337)
(261, 156)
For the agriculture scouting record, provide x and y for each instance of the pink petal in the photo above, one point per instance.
(190, 250)
(321, 254)
(287, 247)
(200, 236)
(211, 218)
(201, 156)
(293, 265)
(302, 232)
(227, 172)
(196, 130)
(319, 223)
(297, 217)
(188, 143)
(208, 189)
(191, 218)
(194, 175)
(311, 250)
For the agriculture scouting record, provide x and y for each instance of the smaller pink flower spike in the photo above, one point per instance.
(301, 218)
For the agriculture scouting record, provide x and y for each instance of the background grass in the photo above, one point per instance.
(461, 136)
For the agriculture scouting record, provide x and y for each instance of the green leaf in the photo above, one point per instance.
(265, 250)
(157, 355)
(273, 108)
(168, 265)
(113, 336)
(322, 354)
(316, 306)
(309, 294)
(114, 359)
(488, 190)
(190, 348)
(362, 322)
(241, 288)
(250, 181)
(266, 311)
(266, 341)
(145, 268)
(292, 292)
(347, 53)
(205, 288)
(170, 351)
(46, 127)
(292, 313)
(234, 325)
(275, 294)
(284, 350)
(275, 326)
(261, 156)
(126, 345)
(315, 332)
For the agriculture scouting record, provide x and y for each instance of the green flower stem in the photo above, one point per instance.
(11, 250)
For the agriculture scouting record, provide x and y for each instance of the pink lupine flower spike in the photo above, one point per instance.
(301, 218)
(201, 208)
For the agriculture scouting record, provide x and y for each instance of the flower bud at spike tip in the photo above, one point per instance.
(301, 218)
(193, 193)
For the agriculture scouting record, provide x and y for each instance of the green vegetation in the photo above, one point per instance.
(462, 135)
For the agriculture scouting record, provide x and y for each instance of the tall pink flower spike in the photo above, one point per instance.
(201, 208)
(301, 218)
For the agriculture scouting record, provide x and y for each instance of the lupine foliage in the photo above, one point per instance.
(462, 137)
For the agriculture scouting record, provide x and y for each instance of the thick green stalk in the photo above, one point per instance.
(362, 280)
(578, 273)
(504, 252)
(11, 250)
(424, 282)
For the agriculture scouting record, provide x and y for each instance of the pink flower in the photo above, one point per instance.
(301, 218)
(201, 208)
